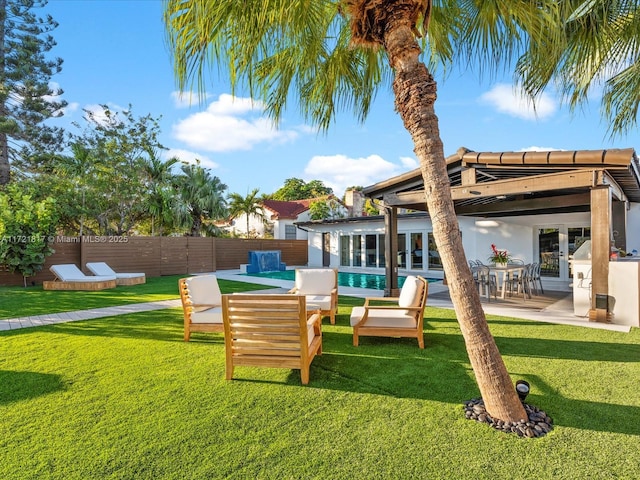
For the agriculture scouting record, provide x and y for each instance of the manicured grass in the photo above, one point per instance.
(124, 397)
(20, 301)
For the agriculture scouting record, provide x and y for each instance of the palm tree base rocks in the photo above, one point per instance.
(536, 425)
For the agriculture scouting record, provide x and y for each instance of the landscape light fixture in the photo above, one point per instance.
(522, 388)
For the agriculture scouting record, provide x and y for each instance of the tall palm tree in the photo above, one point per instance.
(249, 205)
(594, 44)
(201, 198)
(160, 189)
(79, 167)
(329, 56)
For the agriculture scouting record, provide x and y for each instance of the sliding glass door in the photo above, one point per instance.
(555, 244)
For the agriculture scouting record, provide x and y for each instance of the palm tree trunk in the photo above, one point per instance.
(415, 95)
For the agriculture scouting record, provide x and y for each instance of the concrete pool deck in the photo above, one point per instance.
(558, 312)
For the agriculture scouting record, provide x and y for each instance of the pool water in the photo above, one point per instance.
(345, 279)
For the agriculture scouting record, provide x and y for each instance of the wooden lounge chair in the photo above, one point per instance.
(201, 304)
(320, 288)
(403, 319)
(270, 331)
(69, 277)
(101, 268)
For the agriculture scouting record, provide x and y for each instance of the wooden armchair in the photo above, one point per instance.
(320, 287)
(201, 303)
(270, 331)
(404, 319)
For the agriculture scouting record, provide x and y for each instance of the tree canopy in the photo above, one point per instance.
(298, 189)
(248, 206)
(595, 44)
(27, 96)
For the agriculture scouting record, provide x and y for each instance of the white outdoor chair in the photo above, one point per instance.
(202, 304)
(320, 288)
(404, 319)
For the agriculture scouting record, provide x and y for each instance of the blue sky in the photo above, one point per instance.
(115, 53)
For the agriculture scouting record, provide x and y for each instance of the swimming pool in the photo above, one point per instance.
(345, 279)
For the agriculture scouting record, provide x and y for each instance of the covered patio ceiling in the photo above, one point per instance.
(491, 184)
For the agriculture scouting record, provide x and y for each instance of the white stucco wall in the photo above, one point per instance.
(518, 235)
(239, 226)
(633, 227)
(257, 225)
(279, 227)
(315, 249)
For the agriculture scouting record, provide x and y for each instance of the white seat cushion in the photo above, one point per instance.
(323, 302)
(310, 334)
(411, 292)
(204, 290)
(129, 275)
(101, 268)
(68, 272)
(384, 318)
(315, 281)
(210, 315)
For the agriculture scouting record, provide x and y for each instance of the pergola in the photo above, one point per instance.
(503, 184)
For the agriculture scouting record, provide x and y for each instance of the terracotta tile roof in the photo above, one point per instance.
(286, 210)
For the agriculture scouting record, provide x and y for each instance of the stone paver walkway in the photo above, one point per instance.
(51, 318)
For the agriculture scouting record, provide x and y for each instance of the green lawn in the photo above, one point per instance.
(20, 301)
(125, 398)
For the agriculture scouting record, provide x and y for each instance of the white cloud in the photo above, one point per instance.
(506, 100)
(534, 148)
(230, 124)
(97, 112)
(409, 162)
(340, 171)
(187, 99)
(189, 157)
(71, 107)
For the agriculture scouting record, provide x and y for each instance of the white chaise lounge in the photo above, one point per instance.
(70, 277)
(102, 269)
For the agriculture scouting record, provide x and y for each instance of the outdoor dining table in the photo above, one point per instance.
(506, 273)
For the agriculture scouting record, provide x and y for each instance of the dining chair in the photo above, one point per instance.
(521, 283)
(486, 281)
(536, 278)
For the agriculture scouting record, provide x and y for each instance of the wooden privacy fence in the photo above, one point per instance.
(157, 256)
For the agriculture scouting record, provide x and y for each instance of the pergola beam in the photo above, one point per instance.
(536, 183)
(526, 205)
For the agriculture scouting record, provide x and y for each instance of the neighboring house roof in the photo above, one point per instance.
(282, 210)
(290, 210)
